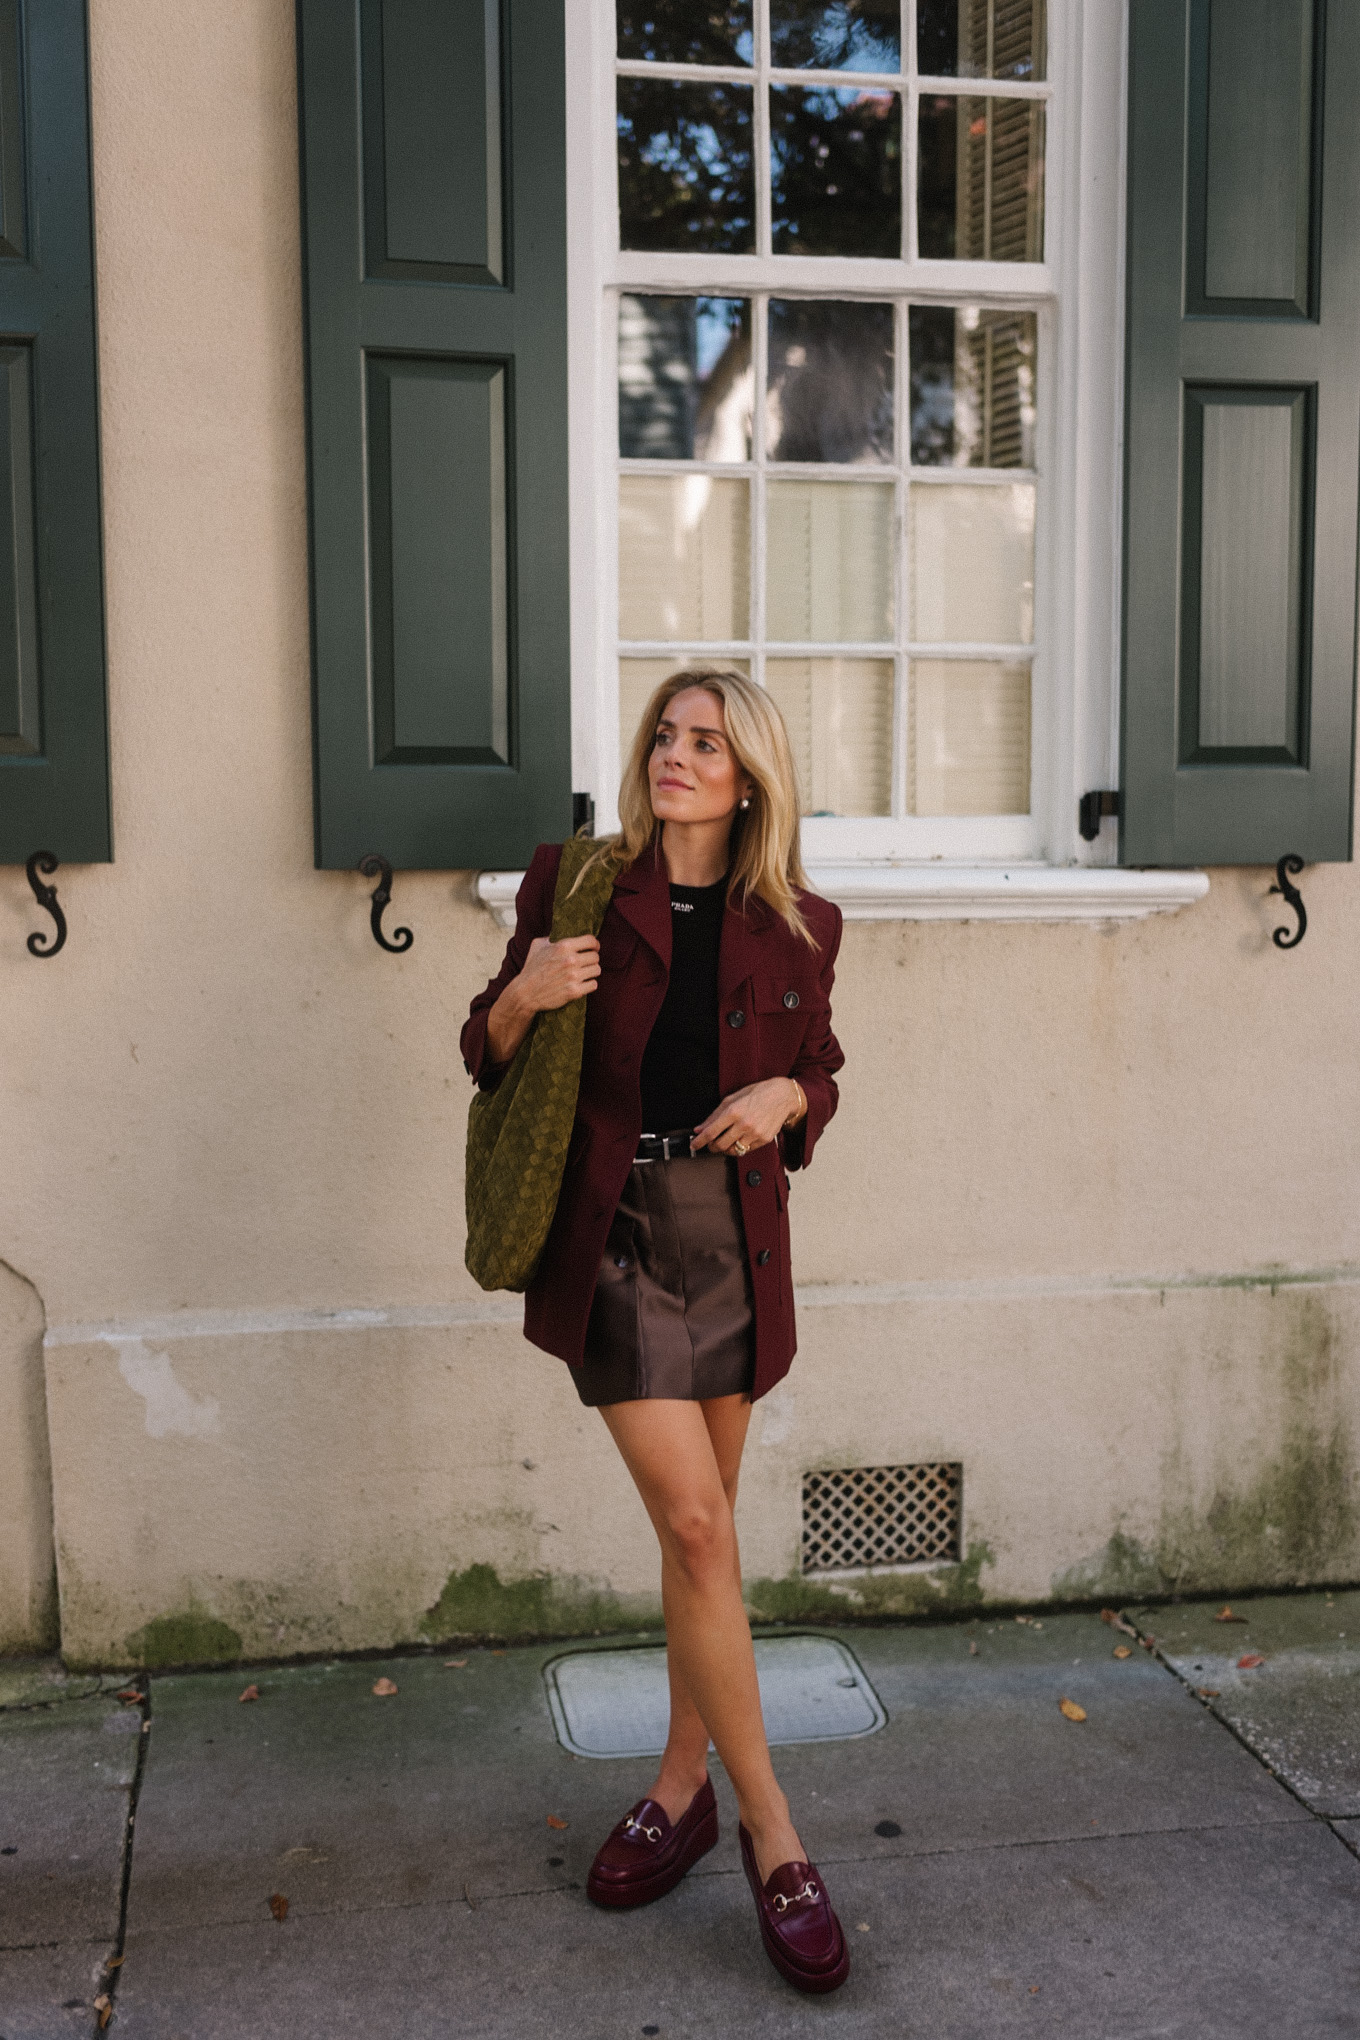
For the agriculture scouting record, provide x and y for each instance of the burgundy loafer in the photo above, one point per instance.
(801, 1933)
(645, 1856)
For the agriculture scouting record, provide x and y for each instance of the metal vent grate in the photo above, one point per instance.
(860, 1516)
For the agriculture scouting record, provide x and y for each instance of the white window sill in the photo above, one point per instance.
(962, 892)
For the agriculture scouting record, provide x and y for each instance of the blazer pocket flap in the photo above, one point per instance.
(786, 993)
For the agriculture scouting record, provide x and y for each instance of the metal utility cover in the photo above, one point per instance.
(615, 1703)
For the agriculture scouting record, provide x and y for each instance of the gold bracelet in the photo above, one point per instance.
(797, 1117)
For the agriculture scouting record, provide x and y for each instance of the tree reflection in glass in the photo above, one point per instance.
(836, 35)
(681, 32)
(980, 38)
(685, 166)
(972, 386)
(835, 171)
(685, 378)
(830, 393)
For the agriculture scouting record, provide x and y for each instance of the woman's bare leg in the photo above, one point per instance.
(684, 1762)
(670, 1450)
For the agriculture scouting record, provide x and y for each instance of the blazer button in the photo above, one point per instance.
(762, 1257)
(790, 1000)
(753, 1178)
(736, 1019)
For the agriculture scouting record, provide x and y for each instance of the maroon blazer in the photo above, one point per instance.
(774, 1009)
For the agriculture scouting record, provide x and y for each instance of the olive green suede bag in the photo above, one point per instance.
(518, 1134)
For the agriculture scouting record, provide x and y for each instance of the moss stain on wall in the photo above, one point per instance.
(477, 1603)
(1295, 1522)
(192, 1638)
(940, 1590)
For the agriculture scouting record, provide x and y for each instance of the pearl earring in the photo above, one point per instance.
(744, 802)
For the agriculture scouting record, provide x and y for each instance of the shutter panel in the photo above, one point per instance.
(433, 154)
(54, 770)
(1243, 430)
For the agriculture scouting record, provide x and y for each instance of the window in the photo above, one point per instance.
(828, 326)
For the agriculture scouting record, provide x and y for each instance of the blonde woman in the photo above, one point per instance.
(708, 1072)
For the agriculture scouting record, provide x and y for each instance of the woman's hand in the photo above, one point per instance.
(554, 974)
(750, 1118)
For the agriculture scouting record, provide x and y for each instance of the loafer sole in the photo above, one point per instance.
(621, 1894)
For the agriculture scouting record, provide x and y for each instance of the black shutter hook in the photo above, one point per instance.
(374, 866)
(1292, 898)
(40, 943)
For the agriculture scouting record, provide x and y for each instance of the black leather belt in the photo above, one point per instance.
(666, 1147)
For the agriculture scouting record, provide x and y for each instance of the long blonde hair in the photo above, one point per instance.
(764, 857)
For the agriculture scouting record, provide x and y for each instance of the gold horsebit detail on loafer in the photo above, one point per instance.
(632, 1826)
(782, 1904)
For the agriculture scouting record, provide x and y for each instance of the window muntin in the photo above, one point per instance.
(837, 489)
(856, 561)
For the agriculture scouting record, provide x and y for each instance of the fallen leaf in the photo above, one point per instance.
(1207, 1692)
(472, 1902)
(251, 1693)
(1071, 1709)
(498, 1653)
(278, 1905)
(1147, 1641)
(115, 1961)
(384, 1689)
(554, 1822)
(455, 1664)
(1226, 1615)
(1249, 1663)
(1122, 1650)
(863, 1927)
(130, 1693)
(1034, 1990)
(1117, 1621)
(973, 1650)
(104, 2006)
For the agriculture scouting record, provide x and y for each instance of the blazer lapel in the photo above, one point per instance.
(642, 895)
(740, 947)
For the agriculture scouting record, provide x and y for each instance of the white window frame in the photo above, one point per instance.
(983, 867)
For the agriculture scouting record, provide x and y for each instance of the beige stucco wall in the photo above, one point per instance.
(231, 1124)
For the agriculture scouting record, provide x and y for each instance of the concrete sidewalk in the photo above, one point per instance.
(1171, 1865)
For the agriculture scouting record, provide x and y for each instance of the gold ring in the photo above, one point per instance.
(738, 1147)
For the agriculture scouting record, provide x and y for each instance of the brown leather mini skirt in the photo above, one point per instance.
(672, 1315)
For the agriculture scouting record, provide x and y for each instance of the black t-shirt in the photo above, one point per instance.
(680, 1061)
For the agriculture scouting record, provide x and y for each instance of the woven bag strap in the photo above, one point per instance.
(580, 912)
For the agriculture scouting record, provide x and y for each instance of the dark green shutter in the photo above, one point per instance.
(433, 163)
(1243, 430)
(54, 761)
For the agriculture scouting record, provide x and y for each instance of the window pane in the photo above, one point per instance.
(681, 32)
(836, 35)
(684, 552)
(972, 386)
(685, 169)
(972, 564)
(836, 172)
(685, 378)
(840, 718)
(831, 381)
(968, 749)
(980, 179)
(637, 678)
(980, 38)
(829, 562)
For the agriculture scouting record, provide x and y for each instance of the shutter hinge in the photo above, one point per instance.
(1090, 808)
(583, 814)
